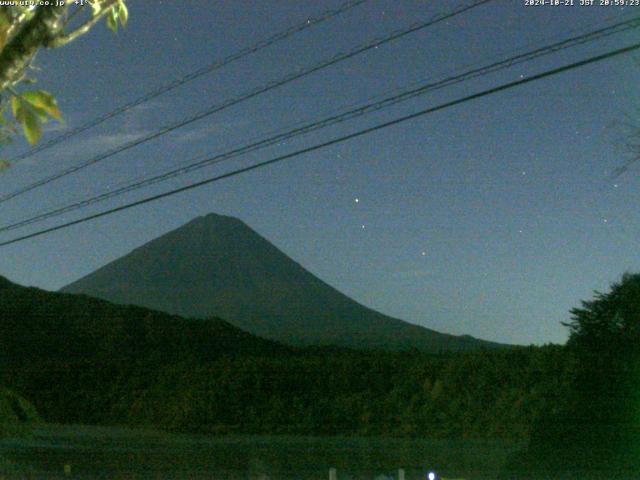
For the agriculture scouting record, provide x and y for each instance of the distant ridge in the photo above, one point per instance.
(216, 265)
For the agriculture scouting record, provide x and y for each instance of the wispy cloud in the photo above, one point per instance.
(106, 141)
(205, 131)
(87, 146)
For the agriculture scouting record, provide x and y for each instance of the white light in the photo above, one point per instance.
(431, 476)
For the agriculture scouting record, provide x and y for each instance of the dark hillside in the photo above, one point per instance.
(83, 360)
(56, 343)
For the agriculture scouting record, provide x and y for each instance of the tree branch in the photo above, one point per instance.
(16, 22)
(78, 10)
(62, 40)
(38, 32)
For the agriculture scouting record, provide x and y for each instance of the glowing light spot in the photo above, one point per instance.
(356, 200)
(431, 476)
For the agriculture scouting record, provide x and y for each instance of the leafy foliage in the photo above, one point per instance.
(82, 360)
(24, 30)
(16, 414)
(595, 432)
(31, 109)
(118, 14)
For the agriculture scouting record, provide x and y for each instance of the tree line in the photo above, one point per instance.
(82, 360)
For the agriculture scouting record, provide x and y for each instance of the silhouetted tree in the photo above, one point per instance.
(595, 431)
(605, 337)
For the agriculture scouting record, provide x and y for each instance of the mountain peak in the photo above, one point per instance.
(216, 218)
(211, 225)
(216, 265)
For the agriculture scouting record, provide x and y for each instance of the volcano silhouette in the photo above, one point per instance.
(218, 266)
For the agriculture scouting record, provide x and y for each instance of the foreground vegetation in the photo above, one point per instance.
(81, 360)
(17, 418)
(497, 394)
(593, 433)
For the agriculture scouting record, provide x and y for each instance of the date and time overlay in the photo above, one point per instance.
(581, 3)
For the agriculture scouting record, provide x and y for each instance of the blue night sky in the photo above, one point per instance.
(492, 218)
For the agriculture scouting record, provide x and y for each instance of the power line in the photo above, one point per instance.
(335, 119)
(253, 93)
(167, 87)
(334, 141)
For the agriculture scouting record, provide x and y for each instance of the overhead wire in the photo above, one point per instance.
(339, 57)
(204, 161)
(334, 141)
(215, 65)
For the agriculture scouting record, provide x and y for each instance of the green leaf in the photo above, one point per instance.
(31, 127)
(123, 13)
(5, 25)
(96, 7)
(112, 19)
(43, 102)
(41, 114)
(18, 109)
(5, 18)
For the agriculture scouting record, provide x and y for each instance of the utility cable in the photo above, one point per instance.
(246, 96)
(334, 141)
(204, 161)
(167, 87)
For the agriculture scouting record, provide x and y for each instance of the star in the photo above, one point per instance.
(356, 200)
(364, 227)
(424, 254)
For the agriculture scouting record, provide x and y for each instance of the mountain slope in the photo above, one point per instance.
(74, 355)
(218, 266)
(39, 325)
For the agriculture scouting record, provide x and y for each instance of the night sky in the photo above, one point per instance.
(492, 218)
